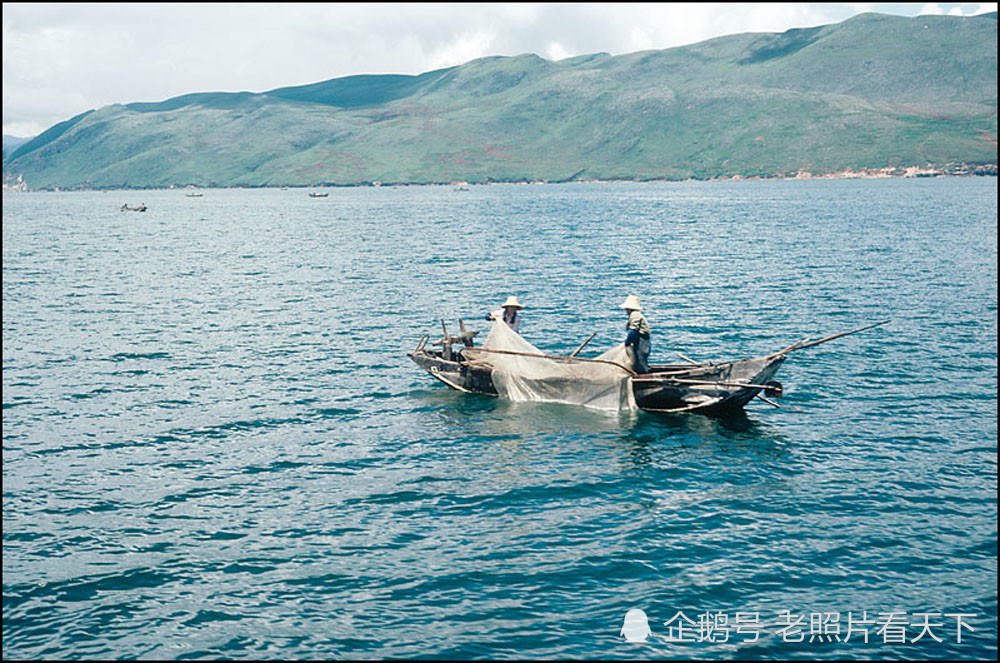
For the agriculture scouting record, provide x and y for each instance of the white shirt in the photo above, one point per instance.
(501, 314)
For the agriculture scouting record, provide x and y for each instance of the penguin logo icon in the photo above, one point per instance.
(636, 626)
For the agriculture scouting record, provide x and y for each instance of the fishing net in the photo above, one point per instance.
(601, 382)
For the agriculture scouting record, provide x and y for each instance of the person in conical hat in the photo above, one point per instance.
(509, 312)
(637, 334)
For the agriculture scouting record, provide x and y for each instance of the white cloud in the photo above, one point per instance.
(950, 9)
(556, 51)
(638, 40)
(462, 49)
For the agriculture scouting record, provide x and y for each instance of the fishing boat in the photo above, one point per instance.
(706, 388)
(318, 195)
(194, 194)
(140, 208)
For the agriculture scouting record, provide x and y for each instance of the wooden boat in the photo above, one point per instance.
(707, 388)
(140, 208)
(318, 195)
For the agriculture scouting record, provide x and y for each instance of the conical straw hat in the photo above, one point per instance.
(512, 301)
(632, 303)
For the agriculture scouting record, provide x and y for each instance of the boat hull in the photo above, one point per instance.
(679, 391)
(705, 388)
(455, 374)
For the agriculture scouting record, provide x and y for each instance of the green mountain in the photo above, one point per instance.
(11, 143)
(875, 91)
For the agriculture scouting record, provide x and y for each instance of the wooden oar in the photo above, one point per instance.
(768, 401)
(582, 345)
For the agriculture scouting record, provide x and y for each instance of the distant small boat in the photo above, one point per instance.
(140, 208)
(194, 194)
(318, 195)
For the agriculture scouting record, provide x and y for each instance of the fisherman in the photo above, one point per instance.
(637, 336)
(510, 313)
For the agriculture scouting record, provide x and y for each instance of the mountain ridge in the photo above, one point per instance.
(872, 92)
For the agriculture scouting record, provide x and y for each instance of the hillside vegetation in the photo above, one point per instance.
(875, 91)
(11, 143)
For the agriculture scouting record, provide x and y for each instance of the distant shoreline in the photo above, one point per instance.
(911, 172)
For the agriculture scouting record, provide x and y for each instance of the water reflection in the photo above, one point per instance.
(733, 426)
(680, 435)
(497, 417)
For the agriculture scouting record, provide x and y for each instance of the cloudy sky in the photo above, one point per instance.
(62, 59)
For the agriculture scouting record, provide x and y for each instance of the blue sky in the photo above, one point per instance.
(62, 59)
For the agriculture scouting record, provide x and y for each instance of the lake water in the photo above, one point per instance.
(214, 444)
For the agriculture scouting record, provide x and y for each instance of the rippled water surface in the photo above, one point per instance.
(214, 444)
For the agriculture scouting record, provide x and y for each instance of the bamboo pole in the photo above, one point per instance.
(556, 357)
(793, 346)
(801, 345)
(748, 385)
(830, 338)
(582, 345)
